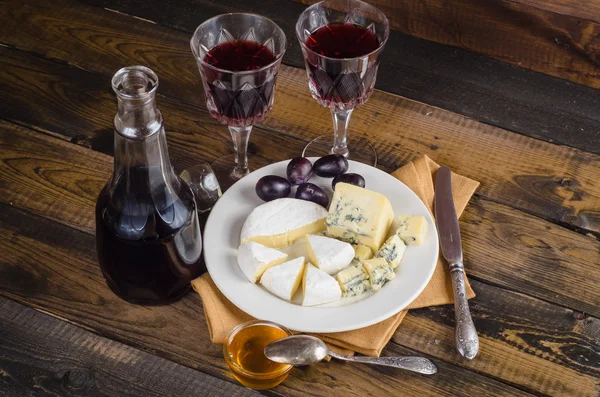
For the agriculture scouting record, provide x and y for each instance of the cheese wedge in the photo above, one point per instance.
(379, 272)
(392, 251)
(362, 252)
(319, 287)
(328, 254)
(413, 229)
(353, 280)
(359, 216)
(254, 259)
(283, 280)
(280, 222)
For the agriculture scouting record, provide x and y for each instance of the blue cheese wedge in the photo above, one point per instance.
(392, 251)
(283, 280)
(379, 271)
(412, 229)
(362, 252)
(319, 287)
(254, 259)
(328, 254)
(281, 222)
(353, 280)
(359, 216)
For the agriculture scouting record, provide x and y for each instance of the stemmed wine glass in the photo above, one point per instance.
(341, 41)
(238, 56)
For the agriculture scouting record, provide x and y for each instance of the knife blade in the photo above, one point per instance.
(467, 341)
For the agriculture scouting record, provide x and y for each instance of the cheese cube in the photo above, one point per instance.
(413, 229)
(392, 251)
(353, 280)
(281, 222)
(283, 280)
(359, 216)
(254, 259)
(328, 254)
(379, 272)
(319, 287)
(362, 252)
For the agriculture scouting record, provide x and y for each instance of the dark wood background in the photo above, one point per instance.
(505, 92)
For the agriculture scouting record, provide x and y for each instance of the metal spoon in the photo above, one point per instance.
(307, 350)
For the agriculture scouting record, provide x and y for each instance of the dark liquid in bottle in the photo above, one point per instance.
(148, 237)
(249, 101)
(333, 82)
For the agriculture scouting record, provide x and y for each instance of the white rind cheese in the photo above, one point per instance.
(353, 280)
(412, 229)
(254, 259)
(280, 222)
(359, 216)
(392, 251)
(283, 280)
(379, 272)
(328, 254)
(319, 287)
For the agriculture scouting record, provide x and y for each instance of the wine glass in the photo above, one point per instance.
(341, 41)
(238, 56)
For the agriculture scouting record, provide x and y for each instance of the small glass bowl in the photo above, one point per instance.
(244, 353)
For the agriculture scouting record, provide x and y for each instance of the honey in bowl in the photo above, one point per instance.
(244, 353)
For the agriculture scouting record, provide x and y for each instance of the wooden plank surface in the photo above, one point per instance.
(81, 96)
(31, 82)
(71, 262)
(473, 85)
(45, 356)
(561, 189)
(68, 272)
(555, 37)
(531, 233)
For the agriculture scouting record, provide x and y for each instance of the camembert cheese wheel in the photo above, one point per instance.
(280, 222)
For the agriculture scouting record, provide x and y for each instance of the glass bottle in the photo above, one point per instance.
(147, 231)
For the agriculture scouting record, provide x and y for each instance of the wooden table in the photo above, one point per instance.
(530, 233)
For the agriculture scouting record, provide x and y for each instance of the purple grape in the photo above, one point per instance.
(272, 187)
(311, 192)
(353, 179)
(299, 170)
(331, 165)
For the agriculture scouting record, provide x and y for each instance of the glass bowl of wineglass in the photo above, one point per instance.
(342, 41)
(238, 56)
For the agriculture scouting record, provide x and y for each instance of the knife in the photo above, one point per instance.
(467, 342)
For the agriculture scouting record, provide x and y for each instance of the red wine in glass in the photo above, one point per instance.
(334, 81)
(243, 101)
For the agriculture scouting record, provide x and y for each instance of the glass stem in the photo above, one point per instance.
(240, 136)
(341, 118)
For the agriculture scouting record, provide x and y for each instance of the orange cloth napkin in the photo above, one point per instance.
(222, 316)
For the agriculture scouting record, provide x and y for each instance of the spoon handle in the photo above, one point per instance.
(416, 364)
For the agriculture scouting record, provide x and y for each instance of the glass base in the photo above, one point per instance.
(360, 149)
(224, 168)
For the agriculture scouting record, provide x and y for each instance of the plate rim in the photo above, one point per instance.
(376, 319)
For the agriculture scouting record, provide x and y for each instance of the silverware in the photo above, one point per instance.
(307, 350)
(467, 342)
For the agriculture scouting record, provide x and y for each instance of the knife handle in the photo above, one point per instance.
(467, 341)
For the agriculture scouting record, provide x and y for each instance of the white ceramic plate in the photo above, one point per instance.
(222, 238)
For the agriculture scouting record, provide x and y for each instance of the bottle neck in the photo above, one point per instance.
(137, 118)
(140, 144)
(141, 156)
